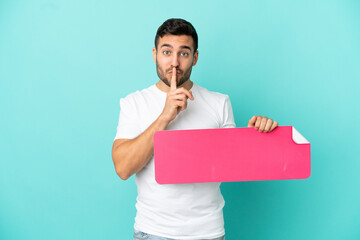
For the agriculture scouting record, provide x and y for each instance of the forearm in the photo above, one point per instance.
(131, 156)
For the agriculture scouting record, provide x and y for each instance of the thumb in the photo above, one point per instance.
(252, 121)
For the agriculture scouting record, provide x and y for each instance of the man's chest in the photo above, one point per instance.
(196, 116)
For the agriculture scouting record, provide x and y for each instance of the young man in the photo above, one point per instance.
(173, 211)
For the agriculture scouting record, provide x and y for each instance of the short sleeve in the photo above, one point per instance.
(128, 126)
(228, 116)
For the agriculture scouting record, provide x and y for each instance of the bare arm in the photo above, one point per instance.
(131, 155)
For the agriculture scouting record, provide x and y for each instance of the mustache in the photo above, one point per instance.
(177, 70)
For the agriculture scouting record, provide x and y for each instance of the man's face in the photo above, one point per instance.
(175, 51)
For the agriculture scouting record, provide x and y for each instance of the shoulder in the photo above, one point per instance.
(212, 95)
(136, 96)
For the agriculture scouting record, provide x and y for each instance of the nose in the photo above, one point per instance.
(175, 61)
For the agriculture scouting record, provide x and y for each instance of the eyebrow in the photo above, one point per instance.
(168, 45)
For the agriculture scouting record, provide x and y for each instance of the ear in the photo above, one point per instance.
(154, 54)
(196, 56)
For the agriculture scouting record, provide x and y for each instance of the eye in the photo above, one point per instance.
(166, 52)
(184, 54)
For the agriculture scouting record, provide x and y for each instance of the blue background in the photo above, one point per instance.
(64, 65)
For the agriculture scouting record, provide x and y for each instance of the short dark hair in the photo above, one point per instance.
(177, 26)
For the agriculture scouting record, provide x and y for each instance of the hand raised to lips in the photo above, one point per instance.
(176, 99)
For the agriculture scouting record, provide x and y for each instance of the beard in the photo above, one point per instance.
(183, 77)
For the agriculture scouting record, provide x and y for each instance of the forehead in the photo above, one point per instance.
(177, 41)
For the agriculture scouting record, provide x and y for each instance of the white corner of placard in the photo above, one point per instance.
(297, 137)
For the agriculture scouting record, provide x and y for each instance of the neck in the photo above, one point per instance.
(165, 88)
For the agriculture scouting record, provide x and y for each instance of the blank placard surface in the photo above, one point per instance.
(229, 154)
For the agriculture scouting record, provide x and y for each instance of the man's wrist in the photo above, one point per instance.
(163, 121)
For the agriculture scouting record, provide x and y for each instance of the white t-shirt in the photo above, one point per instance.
(181, 211)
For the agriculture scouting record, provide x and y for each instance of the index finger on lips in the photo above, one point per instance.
(173, 79)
